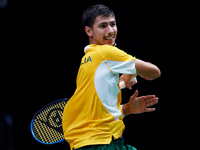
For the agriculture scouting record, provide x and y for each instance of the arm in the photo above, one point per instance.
(147, 70)
(144, 69)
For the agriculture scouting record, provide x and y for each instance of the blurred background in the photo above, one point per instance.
(41, 45)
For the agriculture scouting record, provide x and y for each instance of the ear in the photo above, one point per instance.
(88, 31)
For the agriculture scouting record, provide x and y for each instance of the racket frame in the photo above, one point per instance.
(31, 126)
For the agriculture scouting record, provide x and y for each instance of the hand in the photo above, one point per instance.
(137, 105)
(128, 84)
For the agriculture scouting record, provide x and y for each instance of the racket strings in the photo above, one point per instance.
(47, 124)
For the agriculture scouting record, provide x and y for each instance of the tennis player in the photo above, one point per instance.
(93, 117)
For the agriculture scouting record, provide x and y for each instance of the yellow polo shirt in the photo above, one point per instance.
(93, 114)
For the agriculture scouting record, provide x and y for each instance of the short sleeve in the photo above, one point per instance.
(117, 60)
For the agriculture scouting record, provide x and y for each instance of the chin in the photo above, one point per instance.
(110, 43)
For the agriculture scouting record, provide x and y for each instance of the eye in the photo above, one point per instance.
(102, 26)
(112, 24)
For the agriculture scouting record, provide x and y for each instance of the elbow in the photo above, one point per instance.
(155, 74)
(158, 73)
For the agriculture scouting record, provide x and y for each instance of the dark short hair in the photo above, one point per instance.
(94, 11)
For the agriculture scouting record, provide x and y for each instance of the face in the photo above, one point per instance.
(104, 31)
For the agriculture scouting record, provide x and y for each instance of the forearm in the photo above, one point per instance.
(144, 69)
(147, 70)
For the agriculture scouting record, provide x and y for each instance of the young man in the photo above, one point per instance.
(93, 117)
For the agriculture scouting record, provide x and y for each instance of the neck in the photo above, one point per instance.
(91, 41)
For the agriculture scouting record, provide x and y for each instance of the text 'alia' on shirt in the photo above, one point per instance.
(93, 114)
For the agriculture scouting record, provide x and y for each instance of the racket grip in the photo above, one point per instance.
(122, 83)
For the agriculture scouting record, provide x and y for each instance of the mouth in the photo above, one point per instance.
(110, 37)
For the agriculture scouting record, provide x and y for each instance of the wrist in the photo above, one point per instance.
(126, 109)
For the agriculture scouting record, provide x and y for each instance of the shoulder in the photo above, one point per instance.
(113, 53)
(110, 49)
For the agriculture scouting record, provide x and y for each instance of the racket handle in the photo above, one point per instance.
(122, 83)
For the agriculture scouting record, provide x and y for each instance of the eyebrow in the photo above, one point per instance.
(106, 22)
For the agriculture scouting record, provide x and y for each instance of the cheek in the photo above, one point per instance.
(100, 36)
(115, 30)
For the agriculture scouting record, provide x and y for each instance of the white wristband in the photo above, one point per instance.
(122, 84)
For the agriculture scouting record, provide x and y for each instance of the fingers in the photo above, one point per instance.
(134, 95)
(150, 109)
(152, 99)
(130, 85)
(150, 103)
(147, 97)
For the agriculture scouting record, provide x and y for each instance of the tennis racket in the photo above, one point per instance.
(46, 125)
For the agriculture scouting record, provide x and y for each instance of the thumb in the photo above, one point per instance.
(134, 95)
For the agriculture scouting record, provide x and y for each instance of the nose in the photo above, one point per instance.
(110, 30)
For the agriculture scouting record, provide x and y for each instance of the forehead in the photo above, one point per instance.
(103, 19)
